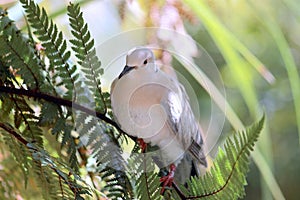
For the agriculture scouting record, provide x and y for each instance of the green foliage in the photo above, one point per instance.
(107, 152)
(15, 52)
(144, 175)
(55, 46)
(37, 99)
(85, 52)
(20, 154)
(21, 58)
(57, 179)
(227, 177)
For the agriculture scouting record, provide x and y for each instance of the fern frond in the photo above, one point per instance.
(83, 46)
(49, 114)
(19, 152)
(227, 177)
(72, 151)
(62, 130)
(117, 183)
(55, 46)
(16, 53)
(6, 25)
(50, 172)
(105, 150)
(146, 180)
(24, 117)
(46, 181)
(111, 166)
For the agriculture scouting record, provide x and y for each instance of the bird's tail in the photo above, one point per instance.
(198, 169)
(189, 166)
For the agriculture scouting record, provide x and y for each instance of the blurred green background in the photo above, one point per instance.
(256, 47)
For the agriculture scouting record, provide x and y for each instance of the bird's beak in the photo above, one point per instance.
(126, 70)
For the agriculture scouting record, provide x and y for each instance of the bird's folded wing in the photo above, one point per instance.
(181, 120)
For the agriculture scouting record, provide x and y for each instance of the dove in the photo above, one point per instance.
(153, 106)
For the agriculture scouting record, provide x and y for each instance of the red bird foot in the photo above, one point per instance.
(168, 180)
(143, 144)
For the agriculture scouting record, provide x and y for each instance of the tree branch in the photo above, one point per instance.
(61, 102)
(11, 131)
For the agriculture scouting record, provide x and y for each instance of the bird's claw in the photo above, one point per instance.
(167, 180)
(142, 143)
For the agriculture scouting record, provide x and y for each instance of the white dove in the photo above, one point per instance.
(152, 105)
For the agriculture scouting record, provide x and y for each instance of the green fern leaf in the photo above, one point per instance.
(83, 45)
(146, 180)
(6, 25)
(50, 172)
(15, 52)
(25, 116)
(96, 135)
(63, 129)
(55, 46)
(19, 152)
(227, 177)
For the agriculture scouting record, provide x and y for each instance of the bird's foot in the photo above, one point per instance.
(142, 143)
(167, 180)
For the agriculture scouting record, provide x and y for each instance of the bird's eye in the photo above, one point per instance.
(145, 62)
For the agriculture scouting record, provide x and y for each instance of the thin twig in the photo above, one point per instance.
(179, 192)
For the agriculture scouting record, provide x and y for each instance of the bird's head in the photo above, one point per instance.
(137, 58)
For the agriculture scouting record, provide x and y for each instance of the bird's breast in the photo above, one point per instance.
(145, 116)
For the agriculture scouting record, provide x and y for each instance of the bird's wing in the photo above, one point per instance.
(182, 121)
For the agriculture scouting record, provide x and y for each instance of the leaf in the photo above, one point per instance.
(55, 46)
(227, 177)
(83, 45)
